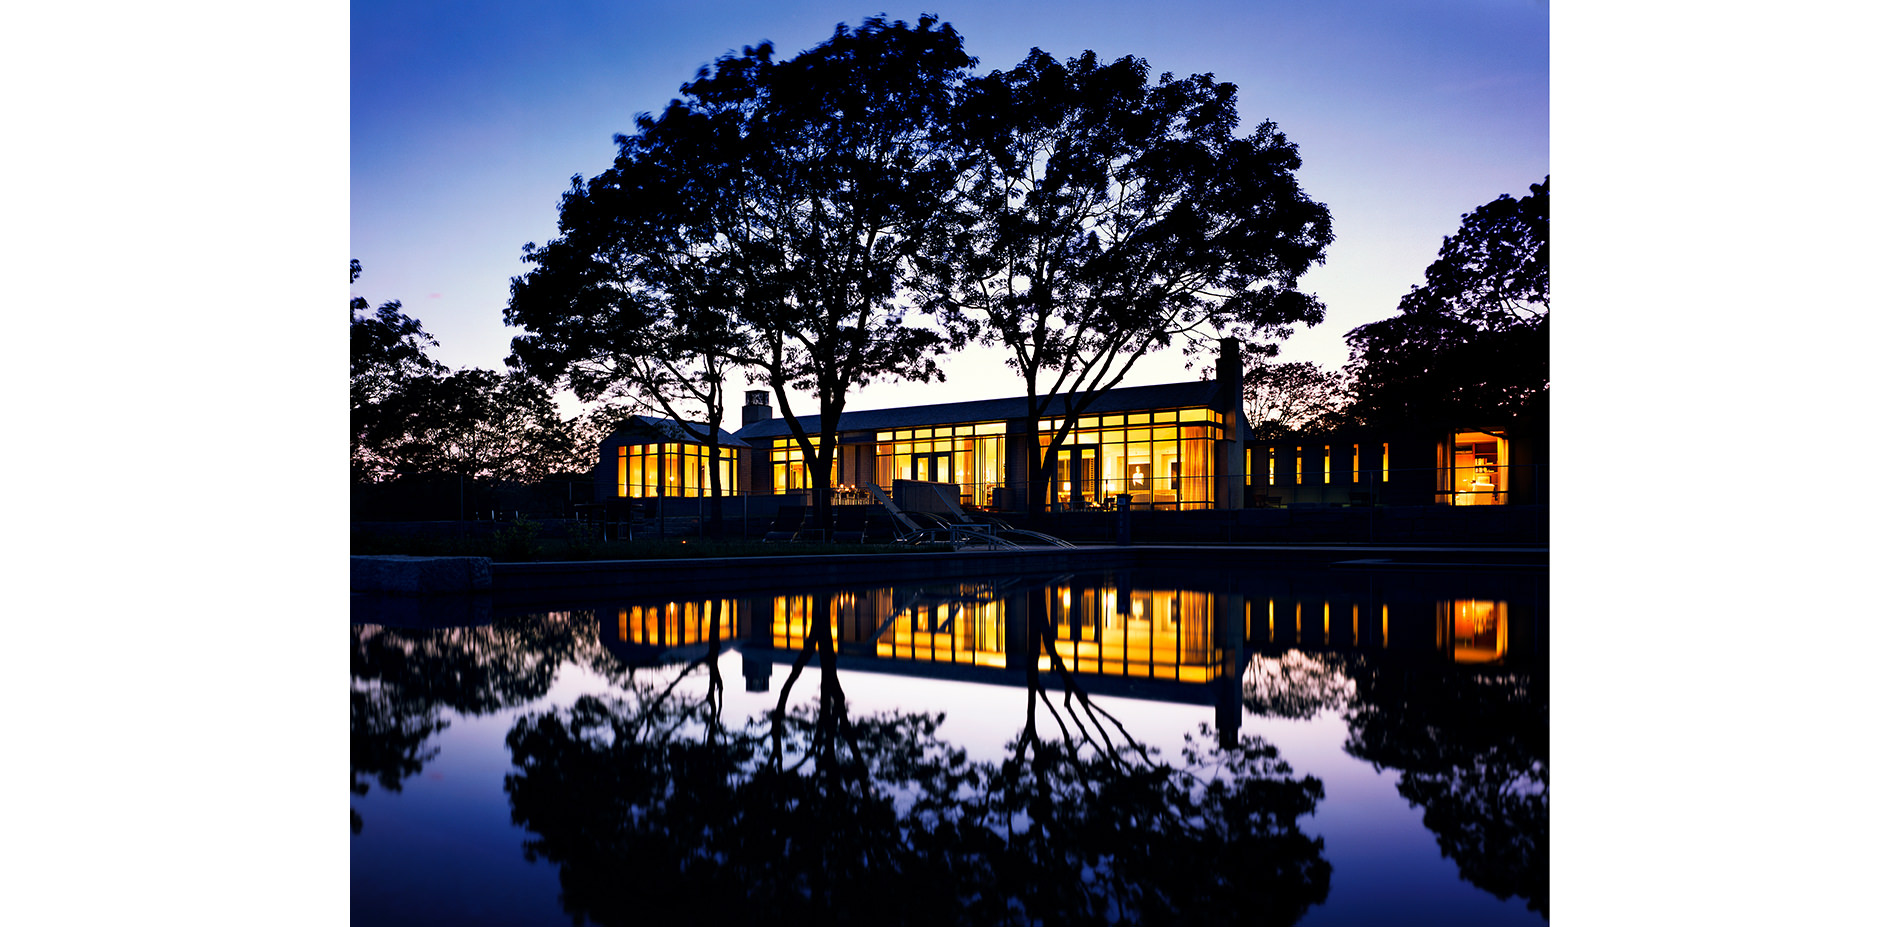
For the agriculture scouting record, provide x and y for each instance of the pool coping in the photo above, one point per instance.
(429, 576)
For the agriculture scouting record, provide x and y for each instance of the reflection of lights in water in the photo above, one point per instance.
(1477, 630)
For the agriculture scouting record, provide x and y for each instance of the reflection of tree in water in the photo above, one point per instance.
(1472, 749)
(653, 808)
(1296, 685)
(405, 680)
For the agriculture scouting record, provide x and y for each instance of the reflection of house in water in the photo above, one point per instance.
(1139, 634)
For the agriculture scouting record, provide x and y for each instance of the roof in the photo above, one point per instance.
(1126, 399)
(666, 429)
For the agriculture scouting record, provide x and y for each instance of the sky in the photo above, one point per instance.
(467, 121)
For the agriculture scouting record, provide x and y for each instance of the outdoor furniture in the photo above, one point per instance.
(785, 525)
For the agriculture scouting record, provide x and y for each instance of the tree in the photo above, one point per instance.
(1284, 398)
(1471, 344)
(478, 424)
(387, 350)
(781, 199)
(1100, 217)
(411, 416)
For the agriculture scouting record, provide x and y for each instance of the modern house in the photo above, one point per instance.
(1168, 447)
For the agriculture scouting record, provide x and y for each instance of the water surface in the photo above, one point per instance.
(1313, 747)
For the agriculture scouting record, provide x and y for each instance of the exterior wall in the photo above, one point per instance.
(1418, 473)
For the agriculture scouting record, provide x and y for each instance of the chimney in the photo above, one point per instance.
(1227, 369)
(757, 408)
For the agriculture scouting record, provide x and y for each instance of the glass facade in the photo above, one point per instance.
(971, 456)
(1160, 459)
(672, 469)
(788, 466)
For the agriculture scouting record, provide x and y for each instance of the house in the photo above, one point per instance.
(1168, 447)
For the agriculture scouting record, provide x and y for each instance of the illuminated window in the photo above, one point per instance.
(1385, 472)
(1299, 465)
(672, 469)
(1326, 464)
(1355, 463)
(1472, 468)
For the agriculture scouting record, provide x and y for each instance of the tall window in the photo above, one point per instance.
(1355, 463)
(672, 469)
(788, 467)
(1326, 463)
(1161, 459)
(1299, 465)
(1385, 472)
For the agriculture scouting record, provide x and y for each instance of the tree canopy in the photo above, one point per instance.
(772, 208)
(786, 217)
(1472, 343)
(1100, 216)
(412, 416)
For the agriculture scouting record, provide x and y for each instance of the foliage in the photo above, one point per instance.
(1287, 397)
(1100, 217)
(762, 221)
(411, 416)
(519, 541)
(1472, 344)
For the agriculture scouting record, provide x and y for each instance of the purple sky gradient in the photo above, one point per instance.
(467, 121)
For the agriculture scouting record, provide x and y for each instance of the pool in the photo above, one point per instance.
(1317, 746)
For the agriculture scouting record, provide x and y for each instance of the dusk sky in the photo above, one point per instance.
(468, 120)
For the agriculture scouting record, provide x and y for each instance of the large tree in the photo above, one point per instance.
(783, 200)
(1471, 345)
(1101, 217)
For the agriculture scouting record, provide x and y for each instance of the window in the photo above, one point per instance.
(1473, 466)
(672, 469)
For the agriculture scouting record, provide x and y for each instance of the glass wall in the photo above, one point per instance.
(1471, 469)
(971, 456)
(673, 470)
(1161, 459)
(788, 466)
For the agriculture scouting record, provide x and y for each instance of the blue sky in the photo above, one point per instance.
(468, 119)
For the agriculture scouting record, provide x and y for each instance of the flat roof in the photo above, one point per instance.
(1126, 399)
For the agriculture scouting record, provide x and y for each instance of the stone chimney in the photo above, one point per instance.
(757, 408)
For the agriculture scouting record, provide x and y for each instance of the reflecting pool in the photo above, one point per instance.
(1313, 747)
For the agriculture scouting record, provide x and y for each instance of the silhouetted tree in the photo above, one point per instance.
(410, 416)
(624, 304)
(1471, 344)
(1100, 217)
(781, 199)
(1284, 398)
(387, 350)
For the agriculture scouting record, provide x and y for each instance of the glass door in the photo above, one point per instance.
(1078, 477)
